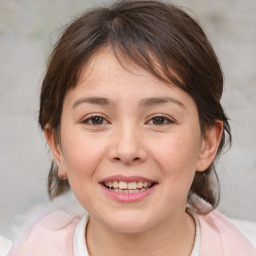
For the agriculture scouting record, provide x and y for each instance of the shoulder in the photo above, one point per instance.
(247, 228)
(51, 231)
(231, 239)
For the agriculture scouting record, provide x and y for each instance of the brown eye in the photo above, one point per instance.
(95, 120)
(160, 120)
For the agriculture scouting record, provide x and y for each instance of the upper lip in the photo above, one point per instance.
(126, 179)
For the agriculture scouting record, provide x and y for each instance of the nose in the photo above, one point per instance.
(127, 145)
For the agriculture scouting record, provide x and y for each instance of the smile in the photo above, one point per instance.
(128, 187)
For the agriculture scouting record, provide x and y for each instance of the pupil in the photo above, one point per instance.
(158, 120)
(97, 120)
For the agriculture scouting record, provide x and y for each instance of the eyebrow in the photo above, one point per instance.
(93, 100)
(160, 100)
(143, 102)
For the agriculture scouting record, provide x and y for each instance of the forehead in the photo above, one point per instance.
(105, 63)
(103, 76)
(107, 71)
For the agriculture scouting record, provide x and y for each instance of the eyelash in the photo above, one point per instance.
(162, 117)
(89, 120)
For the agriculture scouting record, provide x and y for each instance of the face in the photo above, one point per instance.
(130, 145)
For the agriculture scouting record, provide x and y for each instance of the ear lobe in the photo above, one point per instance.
(55, 149)
(210, 145)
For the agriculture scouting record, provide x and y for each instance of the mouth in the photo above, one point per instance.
(124, 187)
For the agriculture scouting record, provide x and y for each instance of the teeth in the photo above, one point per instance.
(132, 185)
(140, 184)
(128, 187)
(123, 185)
(115, 184)
(128, 191)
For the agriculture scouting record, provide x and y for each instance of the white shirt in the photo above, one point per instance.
(5, 245)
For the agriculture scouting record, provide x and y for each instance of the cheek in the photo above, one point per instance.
(81, 154)
(177, 156)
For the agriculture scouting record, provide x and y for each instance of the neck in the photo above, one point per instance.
(177, 239)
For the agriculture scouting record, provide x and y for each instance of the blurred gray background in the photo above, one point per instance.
(28, 30)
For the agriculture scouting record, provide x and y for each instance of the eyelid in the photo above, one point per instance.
(88, 117)
(169, 119)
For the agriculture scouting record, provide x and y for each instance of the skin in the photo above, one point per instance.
(128, 139)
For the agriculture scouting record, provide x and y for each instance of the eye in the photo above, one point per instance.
(95, 120)
(160, 120)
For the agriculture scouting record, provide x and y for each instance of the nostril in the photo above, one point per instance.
(135, 159)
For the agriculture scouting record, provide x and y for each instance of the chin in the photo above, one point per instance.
(129, 223)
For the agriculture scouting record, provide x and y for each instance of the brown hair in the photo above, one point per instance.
(157, 37)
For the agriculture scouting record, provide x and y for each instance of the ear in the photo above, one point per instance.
(56, 151)
(210, 145)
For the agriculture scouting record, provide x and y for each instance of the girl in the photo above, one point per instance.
(130, 108)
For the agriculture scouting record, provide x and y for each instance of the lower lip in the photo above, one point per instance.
(130, 197)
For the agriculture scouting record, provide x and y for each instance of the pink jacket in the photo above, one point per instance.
(53, 235)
